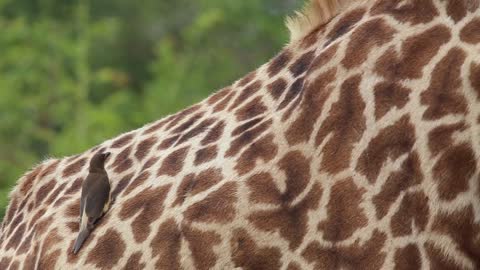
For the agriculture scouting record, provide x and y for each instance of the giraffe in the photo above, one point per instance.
(356, 147)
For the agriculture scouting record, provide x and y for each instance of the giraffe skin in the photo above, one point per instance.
(356, 147)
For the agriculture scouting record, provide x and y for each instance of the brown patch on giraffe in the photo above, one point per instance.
(246, 254)
(414, 11)
(51, 240)
(156, 126)
(25, 201)
(224, 102)
(470, 33)
(166, 244)
(457, 9)
(73, 209)
(264, 149)
(122, 161)
(311, 38)
(218, 207)
(344, 216)
(346, 123)
(453, 171)
(416, 53)
(134, 262)
(73, 226)
(177, 118)
(315, 95)
(44, 190)
(368, 255)
(219, 95)
(74, 167)
(408, 258)
(288, 219)
(121, 185)
(246, 93)
(122, 141)
(16, 238)
(410, 174)
(14, 266)
(28, 180)
(364, 39)
(294, 91)
(188, 124)
(49, 261)
(251, 109)
(413, 212)
(136, 182)
(247, 79)
(108, 251)
(475, 78)
(31, 258)
(205, 154)
(36, 217)
(389, 95)
(11, 210)
(147, 206)
(14, 223)
(174, 162)
(263, 189)
(195, 131)
(279, 62)
(344, 25)
(49, 169)
(43, 225)
(168, 142)
(214, 134)
(75, 187)
(391, 142)
(302, 63)
(201, 246)
(193, 184)
(26, 244)
(462, 228)
(149, 163)
(5, 262)
(277, 88)
(246, 126)
(55, 193)
(439, 260)
(246, 138)
(323, 58)
(61, 200)
(440, 138)
(442, 96)
(293, 266)
(143, 148)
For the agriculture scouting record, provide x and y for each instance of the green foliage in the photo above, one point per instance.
(75, 73)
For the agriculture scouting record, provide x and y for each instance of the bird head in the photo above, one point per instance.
(97, 163)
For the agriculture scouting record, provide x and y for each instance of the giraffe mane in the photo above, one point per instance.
(314, 14)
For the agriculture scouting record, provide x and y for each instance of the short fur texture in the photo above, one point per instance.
(314, 14)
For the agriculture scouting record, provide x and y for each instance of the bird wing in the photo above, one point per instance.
(97, 197)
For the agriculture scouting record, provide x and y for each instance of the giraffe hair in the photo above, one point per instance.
(314, 14)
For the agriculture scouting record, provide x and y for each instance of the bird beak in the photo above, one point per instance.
(107, 154)
(82, 236)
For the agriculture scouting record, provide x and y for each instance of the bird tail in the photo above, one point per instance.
(82, 235)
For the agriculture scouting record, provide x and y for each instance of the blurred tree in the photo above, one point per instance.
(75, 73)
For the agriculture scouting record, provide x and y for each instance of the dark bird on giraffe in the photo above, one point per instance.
(95, 198)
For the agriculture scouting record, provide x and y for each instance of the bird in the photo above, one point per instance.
(95, 198)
